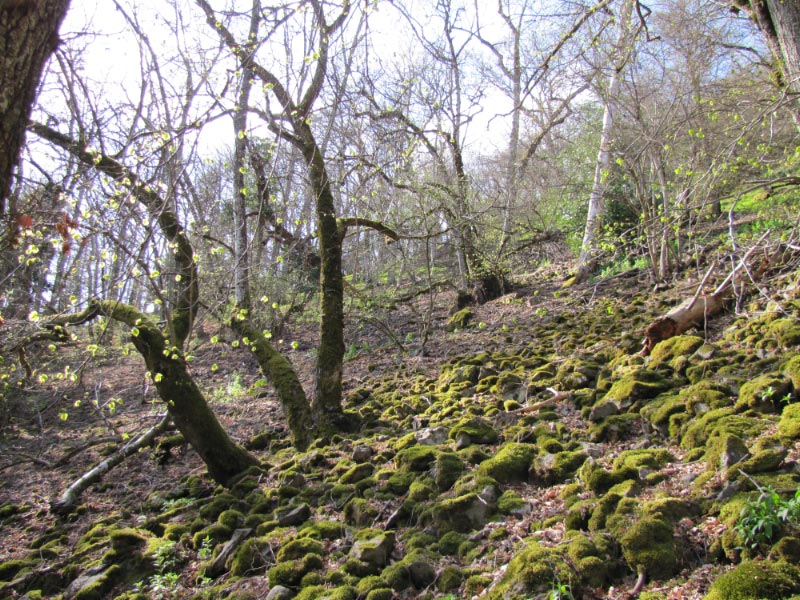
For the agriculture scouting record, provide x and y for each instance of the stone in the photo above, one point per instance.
(375, 550)
(280, 593)
(432, 436)
(362, 454)
(295, 516)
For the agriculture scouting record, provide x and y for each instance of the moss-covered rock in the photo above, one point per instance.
(357, 473)
(789, 425)
(251, 557)
(298, 548)
(763, 393)
(374, 550)
(552, 469)
(512, 463)
(649, 547)
(460, 319)
(359, 512)
(642, 384)
(724, 451)
(476, 429)
(532, 571)
(466, 512)
(447, 468)
(291, 572)
(757, 580)
(416, 458)
(670, 351)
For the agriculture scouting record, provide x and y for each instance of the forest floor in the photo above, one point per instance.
(532, 453)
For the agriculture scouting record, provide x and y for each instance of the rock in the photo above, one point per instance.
(432, 436)
(462, 441)
(295, 516)
(603, 410)
(362, 453)
(280, 593)
(421, 573)
(95, 580)
(376, 550)
(217, 568)
(357, 473)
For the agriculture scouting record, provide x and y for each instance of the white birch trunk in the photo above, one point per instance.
(622, 52)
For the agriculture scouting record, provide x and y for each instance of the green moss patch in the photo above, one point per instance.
(757, 580)
(512, 463)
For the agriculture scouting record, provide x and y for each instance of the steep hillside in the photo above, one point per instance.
(530, 452)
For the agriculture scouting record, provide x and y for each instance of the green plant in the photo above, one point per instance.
(762, 519)
(560, 591)
(206, 548)
(233, 389)
(164, 585)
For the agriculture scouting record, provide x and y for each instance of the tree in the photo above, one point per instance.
(28, 36)
(622, 51)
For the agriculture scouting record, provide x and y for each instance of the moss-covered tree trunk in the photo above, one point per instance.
(28, 36)
(281, 374)
(186, 404)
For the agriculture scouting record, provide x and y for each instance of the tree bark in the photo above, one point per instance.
(279, 371)
(591, 234)
(187, 406)
(28, 36)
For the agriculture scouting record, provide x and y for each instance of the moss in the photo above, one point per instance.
(552, 469)
(100, 585)
(755, 580)
(357, 473)
(380, 594)
(250, 558)
(298, 548)
(649, 547)
(291, 572)
(511, 463)
(449, 579)
(786, 331)
(763, 393)
(602, 510)
(447, 468)
(532, 571)
(476, 584)
(671, 509)
(510, 502)
(420, 541)
(211, 510)
(216, 532)
(462, 513)
(359, 512)
(724, 450)
(449, 543)
(359, 568)
(474, 455)
(479, 431)
(667, 351)
(10, 568)
(717, 422)
(600, 481)
(415, 458)
(641, 384)
(789, 425)
(230, 518)
(421, 490)
(324, 530)
(614, 428)
(459, 319)
(648, 458)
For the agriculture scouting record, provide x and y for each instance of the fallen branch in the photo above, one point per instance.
(69, 499)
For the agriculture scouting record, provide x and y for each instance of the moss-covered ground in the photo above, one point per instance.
(530, 449)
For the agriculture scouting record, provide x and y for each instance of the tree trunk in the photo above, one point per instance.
(279, 371)
(187, 406)
(622, 52)
(28, 36)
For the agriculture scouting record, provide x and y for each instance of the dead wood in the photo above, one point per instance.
(695, 311)
(69, 499)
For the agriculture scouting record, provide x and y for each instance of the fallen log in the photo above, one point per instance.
(69, 499)
(695, 311)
